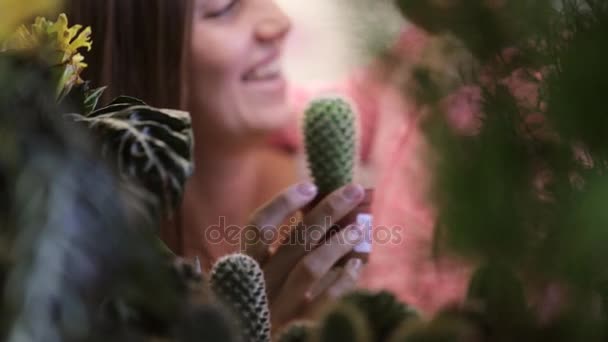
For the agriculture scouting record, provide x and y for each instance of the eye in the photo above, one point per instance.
(218, 8)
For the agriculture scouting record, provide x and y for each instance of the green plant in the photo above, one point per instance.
(149, 146)
(524, 193)
(301, 331)
(57, 45)
(329, 130)
(83, 225)
(438, 330)
(72, 232)
(238, 282)
(343, 322)
(499, 294)
(382, 310)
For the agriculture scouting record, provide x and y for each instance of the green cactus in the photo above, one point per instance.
(382, 310)
(329, 131)
(301, 331)
(238, 282)
(439, 330)
(344, 322)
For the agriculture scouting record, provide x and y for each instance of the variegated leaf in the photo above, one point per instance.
(150, 145)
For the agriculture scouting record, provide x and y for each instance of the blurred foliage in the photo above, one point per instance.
(382, 310)
(440, 329)
(14, 12)
(79, 255)
(484, 26)
(57, 45)
(299, 331)
(344, 322)
(522, 189)
(73, 233)
(514, 190)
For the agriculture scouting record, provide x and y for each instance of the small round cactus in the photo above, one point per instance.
(382, 310)
(343, 323)
(438, 330)
(238, 282)
(301, 331)
(329, 131)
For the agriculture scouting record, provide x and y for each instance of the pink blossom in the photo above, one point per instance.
(463, 110)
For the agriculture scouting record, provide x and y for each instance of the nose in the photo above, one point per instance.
(274, 24)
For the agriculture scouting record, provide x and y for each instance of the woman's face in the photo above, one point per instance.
(236, 76)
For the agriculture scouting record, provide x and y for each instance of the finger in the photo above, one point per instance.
(326, 281)
(345, 282)
(319, 262)
(330, 210)
(292, 297)
(313, 228)
(309, 233)
(263, 227)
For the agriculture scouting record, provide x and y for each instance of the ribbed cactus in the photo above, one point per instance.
(301, 331)
(238, 282)
(329, 131)
(382, 310)
(343, 323)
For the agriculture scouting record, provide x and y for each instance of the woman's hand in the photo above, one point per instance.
(300, 274)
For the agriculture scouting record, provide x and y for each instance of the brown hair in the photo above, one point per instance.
(138, 47)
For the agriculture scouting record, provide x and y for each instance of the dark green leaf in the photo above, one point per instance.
(149, 145)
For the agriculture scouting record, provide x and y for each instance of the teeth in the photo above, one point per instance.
(265, 72)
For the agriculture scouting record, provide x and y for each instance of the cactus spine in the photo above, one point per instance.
(329, 132)
(238, 282)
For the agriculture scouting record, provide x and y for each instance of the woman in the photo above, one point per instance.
(221, 61)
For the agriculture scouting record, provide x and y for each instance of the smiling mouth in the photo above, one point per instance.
(265, 72)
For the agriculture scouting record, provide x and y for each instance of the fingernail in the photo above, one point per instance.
(307, 189)
(353, 192)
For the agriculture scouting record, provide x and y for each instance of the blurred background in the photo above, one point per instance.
(333, 38)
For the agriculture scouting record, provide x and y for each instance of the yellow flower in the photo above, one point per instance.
(14, 12)
(57, 44)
